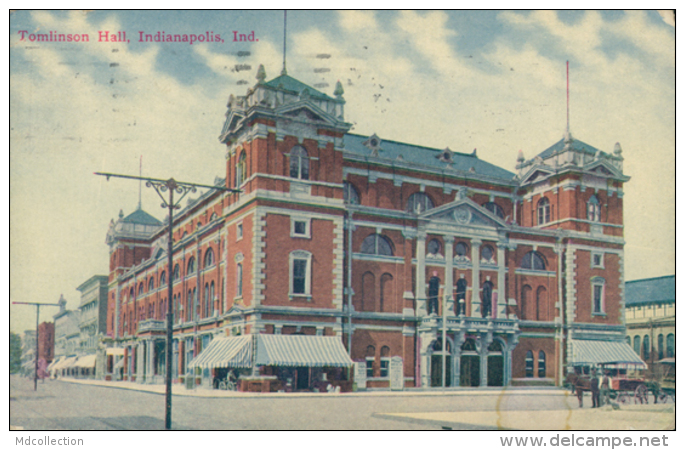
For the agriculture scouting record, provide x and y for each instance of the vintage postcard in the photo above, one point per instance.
(343, 220)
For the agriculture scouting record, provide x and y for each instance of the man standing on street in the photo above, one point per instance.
(594, 388)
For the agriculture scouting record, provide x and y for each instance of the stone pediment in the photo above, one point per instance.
(464, 212)
(602, 169)
(305, 111)
(536, 173)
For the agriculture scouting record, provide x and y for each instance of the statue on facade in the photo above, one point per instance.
(433, 293)
(461, 295)
(486, 307)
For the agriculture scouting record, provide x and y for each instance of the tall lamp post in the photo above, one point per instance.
(162, 186)
(37, 305)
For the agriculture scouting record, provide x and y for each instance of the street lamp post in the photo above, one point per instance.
(37, 305)
(161, 186)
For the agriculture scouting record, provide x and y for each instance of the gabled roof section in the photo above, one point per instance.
(650, 290)
(425, 157)
(140, 217)
(288, 83)
(575, 144)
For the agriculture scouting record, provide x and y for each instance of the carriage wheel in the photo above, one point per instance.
(623, 398)
(641, 394)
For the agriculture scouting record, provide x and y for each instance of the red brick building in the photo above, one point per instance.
(46, 341)
(337, 234)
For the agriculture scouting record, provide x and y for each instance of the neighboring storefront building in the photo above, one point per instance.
(92, 326)
(650, 318)
(362, 238)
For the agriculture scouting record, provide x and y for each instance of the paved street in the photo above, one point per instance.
(63, 405)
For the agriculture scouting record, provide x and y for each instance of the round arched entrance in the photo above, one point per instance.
(470, 364)
(436, 364)
(495, 364)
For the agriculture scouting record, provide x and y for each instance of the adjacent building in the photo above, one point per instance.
(650, 317)
(67, 340)
(366, 239)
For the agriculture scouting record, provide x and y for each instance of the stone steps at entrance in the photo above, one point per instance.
(532, 382)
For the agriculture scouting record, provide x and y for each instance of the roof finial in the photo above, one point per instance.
(568, 126)
(261, 74)
(140, 184)
(285, 22)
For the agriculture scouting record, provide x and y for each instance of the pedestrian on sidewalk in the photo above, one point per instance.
(594, 388)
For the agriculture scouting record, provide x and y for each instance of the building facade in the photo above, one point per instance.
(650, 318)
(46, 342)
(365, 239)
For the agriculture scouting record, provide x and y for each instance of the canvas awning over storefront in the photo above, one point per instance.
(593, 352)
(54, 363)
(119, 364)
(234, 351)
(301, 351)
(115, 351)
(86, 362)
(67, 363)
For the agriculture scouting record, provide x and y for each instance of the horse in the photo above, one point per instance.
(579, 384)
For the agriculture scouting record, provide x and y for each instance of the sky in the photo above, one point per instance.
(491, 80)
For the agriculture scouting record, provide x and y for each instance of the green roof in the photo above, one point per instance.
(288, 83)
(650, 290)
(140, 217)
(576, 145)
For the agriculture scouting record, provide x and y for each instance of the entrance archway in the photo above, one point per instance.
(495, 364)
(469, 365)
(436, 364)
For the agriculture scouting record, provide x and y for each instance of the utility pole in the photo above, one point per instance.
(161, 186)
(37, 305)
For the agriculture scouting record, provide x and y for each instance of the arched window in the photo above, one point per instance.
(530, 364)
(299, 163)
(487, 254)
(419, 202)
(162, 279)
(385, 361)
(387, 292)
(368, 292)
(300, 273)
(196, 304)
(597, 284)
(239, 280)
(495, 209)
(543, 211)
(495, 347)
(660, 346)
(211, 298)
(461, 251)
(189, 306)
(593, 209)
(670, 345)
(241, 169)
(150, 284)
(645, 347)
(370, 358)
(190, 268)
(542, 368)
(527, 308)
(376, 244)
(636, 345)
(469, 345)
(434, 248)
(209, 258)
(177, 272)
(141, 289)
(533, 261)
(350, 194)
(541, 302)
(205, 305)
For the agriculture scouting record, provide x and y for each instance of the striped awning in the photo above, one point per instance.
(86, 362)
(234, 351)
(301, 351)
(591, 352)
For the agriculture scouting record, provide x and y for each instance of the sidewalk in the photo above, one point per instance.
(631, 417)
(180, 390)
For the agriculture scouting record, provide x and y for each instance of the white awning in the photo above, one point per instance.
(234, 351)
(592, 352)
(119, 364)
(301, 351)
(65, 364)
(86, 362)
(55, 362)
(115, 351)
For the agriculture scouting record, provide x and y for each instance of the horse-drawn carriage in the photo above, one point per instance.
(662, 382)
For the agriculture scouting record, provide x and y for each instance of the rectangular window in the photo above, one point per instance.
(299, 276)
(369, 367)
(300, 227)
(598, 260)
(239, 231)
(597, 291)
(385, 366)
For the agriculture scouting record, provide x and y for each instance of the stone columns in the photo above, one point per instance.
(140, 362)
(501, 311)
(149, 367)
(485, 341)
(475, 278)
(448, 291)
(421, 274)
